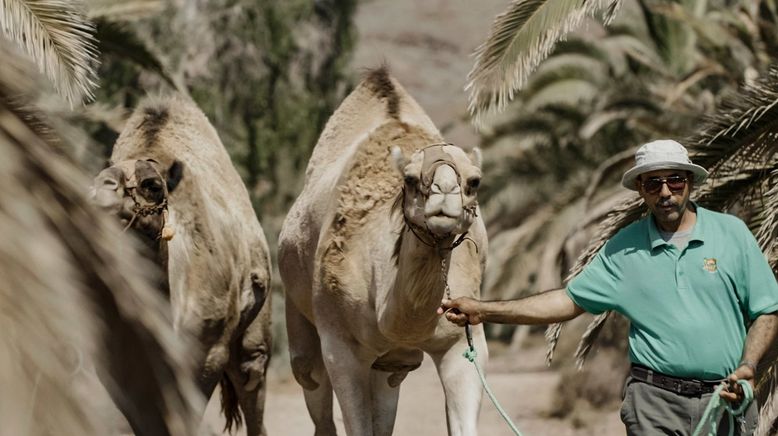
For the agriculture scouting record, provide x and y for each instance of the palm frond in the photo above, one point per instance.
(589, 337)
(626, 212)
(521, 37)
(768, 411)
(744, 119)
(611, 11)
(637, 50)
(119, 39)
(768, 416)
(568, 92)
(767, 235)
(59, 38)
(115, 11)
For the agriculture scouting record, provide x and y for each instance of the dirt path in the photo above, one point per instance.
(524, 388)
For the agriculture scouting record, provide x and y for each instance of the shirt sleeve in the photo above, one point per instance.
(760, 286)
(593, 289)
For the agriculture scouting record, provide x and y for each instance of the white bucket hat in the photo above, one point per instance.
(663, 154)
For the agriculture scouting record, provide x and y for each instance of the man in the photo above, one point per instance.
(699, 294)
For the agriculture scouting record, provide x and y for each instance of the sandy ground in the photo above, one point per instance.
(521, 383)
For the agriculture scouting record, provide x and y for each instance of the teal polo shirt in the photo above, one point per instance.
(689, 309)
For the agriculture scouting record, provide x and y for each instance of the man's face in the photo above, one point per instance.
(666, 193)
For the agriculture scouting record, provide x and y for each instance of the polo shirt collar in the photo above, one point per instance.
(697, 231)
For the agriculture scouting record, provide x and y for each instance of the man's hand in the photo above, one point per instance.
(734, 392)
(462, 311)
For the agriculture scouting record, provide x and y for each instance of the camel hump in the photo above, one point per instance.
(155, 116)
(379, 82)
(379, 99)
(169, 123)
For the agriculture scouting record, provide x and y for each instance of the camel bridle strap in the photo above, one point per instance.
(131, 185)
(152, 209)
(434, 157)
(437, 243)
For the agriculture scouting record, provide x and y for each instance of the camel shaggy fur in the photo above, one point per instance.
(170, 176)
(366, 253)
(68, 297)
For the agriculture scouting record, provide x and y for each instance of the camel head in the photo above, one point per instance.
(136, 191)
(440, 189)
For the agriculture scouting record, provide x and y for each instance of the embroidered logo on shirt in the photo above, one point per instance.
(709, 264)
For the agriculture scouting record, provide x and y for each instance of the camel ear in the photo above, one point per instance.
(476, 157)
(174, 175)
(399, 160)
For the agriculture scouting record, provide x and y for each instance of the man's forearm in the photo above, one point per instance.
(761, 334)
(544, 308)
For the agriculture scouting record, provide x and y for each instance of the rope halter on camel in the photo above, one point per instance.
(130, 187)
(434, 157)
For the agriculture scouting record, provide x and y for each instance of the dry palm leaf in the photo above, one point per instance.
(79, 291)
(56, 34)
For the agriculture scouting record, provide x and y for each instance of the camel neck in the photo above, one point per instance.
(409, 310)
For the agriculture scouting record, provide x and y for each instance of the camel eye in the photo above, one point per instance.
(473, 183)
(153, 186)
(411, 180)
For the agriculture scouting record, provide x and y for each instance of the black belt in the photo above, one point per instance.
(682, 386)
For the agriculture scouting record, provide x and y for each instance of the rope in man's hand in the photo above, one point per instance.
(718, 406)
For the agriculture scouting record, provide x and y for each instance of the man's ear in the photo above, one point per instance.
(174, 175)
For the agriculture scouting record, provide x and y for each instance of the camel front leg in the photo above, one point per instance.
(350, 376)
(309, 371)
(385, 391)
(461, 383)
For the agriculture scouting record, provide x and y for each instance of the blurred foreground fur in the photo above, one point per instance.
(67, 293)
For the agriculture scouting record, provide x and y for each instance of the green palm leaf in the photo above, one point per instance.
(121, 40)
(58, 37)
(115, 10)
(520, 39)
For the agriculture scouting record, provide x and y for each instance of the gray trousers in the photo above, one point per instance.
(648, 410)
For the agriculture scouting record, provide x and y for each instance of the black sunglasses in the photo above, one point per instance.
(654, 184)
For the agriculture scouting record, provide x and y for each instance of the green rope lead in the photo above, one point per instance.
(717, 406)
(470, 354)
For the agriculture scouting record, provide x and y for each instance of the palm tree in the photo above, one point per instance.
(722, 48)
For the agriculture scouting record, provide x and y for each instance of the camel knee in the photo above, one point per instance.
(302, 369)
(253, 366)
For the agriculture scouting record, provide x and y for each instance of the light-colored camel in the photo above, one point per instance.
(362, 254)
(172, 177)
(68, 297)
